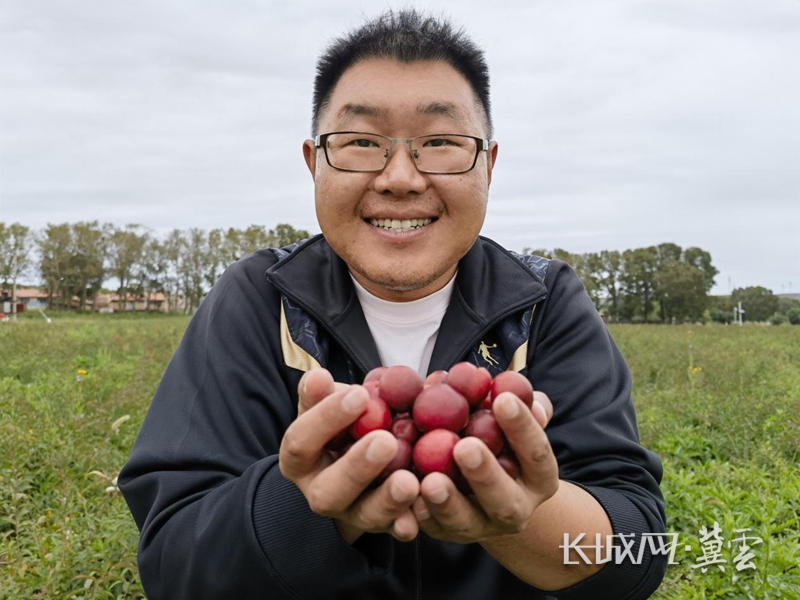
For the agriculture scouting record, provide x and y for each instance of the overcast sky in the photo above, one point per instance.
(621, 124)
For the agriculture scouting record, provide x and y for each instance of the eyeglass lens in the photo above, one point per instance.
(433, 153)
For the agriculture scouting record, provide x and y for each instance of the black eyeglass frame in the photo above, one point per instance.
(481, 146)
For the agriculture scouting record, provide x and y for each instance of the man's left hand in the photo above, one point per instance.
(501, 505)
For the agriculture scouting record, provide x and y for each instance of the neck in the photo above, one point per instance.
(383, 293)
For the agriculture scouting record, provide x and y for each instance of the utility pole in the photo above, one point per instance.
(741, 312)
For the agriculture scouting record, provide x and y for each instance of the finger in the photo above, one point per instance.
(542, 408)
(538, 466)
(425, 520)
(338, 486)
(456, 515)
(405, 527)
(507, 504)
(306, 437)
(314, 385)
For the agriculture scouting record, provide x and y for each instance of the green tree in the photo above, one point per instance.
(254, 238)
(215, 264)
(16, 243)
(758, 303)
(721, 316)
(284, 234)
(171, 252)
(126, 247)
(787, 304)
(639, 282)
(794, 315)
(612, 270)
(88, 252)
(700, 259)
(55, 243)
(680, 291)
(193, 267)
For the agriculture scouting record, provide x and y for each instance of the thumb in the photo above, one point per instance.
(314, 385)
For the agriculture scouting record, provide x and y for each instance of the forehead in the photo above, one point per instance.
(392, 93)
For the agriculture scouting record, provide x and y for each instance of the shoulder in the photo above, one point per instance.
(251, 270)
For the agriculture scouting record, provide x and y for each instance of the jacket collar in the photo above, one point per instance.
(490, 285)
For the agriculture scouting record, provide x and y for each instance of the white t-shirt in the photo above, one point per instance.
(405, 332)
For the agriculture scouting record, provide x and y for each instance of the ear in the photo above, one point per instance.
(310, 156)
(491, 158)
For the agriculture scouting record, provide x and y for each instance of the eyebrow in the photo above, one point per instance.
(445, 109)
(362, 110)
(441, 108)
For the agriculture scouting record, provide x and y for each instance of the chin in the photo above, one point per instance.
(397, 282)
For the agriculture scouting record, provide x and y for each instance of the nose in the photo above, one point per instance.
(400, 176)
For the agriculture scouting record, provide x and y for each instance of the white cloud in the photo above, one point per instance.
(621, 124)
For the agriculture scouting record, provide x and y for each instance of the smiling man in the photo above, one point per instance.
(230, 482)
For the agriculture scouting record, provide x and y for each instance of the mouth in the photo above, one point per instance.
(400, 225)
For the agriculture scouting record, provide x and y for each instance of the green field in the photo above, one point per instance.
(721, 405)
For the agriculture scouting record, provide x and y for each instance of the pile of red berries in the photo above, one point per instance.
(429, 417)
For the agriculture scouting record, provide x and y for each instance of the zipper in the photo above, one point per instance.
(418, 570)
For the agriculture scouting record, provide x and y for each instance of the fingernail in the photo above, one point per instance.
(541, 410)
(355, 401)
(471, 457)
(380, 450)
(423, 514)
(305, 382)
(438, 496)
(397, 492)
(509, 407)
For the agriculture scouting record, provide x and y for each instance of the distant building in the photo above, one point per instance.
(27, 299)
(34, 298)
(117, 303)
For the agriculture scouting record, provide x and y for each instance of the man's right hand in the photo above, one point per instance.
(336, 488)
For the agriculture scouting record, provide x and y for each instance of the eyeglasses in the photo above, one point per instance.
(448, 154)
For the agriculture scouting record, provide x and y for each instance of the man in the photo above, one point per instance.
(229, 480)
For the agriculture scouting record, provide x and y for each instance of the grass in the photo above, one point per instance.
(721, 406)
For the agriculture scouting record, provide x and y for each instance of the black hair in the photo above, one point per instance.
(406, 36)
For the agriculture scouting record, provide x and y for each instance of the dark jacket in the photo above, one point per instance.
(219, 520)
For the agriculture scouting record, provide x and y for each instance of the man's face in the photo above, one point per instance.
(401, 101)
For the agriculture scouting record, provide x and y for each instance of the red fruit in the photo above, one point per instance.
(399, 387)
(441, 407)
(509, 464)
(376, 416)
(372, 387)
(434, 378)
(470, 381)
(405, 429)
(516, 383)
(401, 460)
(483, 426)
(433, 452)
(375, 374)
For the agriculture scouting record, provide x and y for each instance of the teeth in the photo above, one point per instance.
(397, 225)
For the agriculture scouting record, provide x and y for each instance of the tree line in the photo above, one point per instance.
(663, 283)
(78, 259)
(667, 284)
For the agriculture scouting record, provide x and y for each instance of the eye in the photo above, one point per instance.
(438, 142)
(363, 143)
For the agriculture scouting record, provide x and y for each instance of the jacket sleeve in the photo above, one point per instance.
(594, 435)
(217, 517)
